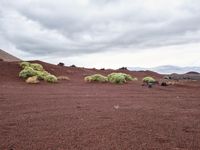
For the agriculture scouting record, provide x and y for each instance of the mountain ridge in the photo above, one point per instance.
(4, 56)
(168, 69)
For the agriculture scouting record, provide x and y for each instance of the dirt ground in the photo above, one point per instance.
(74, 115)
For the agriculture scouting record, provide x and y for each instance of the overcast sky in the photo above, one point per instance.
(103, 33)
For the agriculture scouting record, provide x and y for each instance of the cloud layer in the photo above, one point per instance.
(73, 27)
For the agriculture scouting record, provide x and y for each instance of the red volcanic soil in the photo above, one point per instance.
(74, 115)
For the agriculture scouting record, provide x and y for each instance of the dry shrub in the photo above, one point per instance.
(63, 78)
(32, 80)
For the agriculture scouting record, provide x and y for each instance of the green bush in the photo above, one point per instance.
(27, 72)
(119, 78)
(42, 75)
(37, 67)
(24, 64)
(37, 71)
(128, 77)
(96, 78)
(149, 80)
(51, 78)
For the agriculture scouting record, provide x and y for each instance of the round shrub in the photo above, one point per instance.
(117, 78)
(51, 78)
(37, 67)
(128, 77)
(120, 78)
(149, 80)
(42, 75)
(27, 72)
(24, 64)
(96, 78)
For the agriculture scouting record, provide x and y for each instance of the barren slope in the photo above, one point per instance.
(76, 115)
(7, 57)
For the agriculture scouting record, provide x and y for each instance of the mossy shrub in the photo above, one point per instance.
(27, 72)
(117, 78)
(96, 78)
(35, 70)
(42, 74)
(120, 78)
(127, 77)
(37, 67)
(24, 64)
(149, 80)
(51, 78)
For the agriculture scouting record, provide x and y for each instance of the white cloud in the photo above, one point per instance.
(181, 55)
(82, 30)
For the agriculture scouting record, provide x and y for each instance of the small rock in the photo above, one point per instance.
(163, 84)
(116, 106)
(150, 85)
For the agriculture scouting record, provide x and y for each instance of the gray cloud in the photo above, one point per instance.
(87, 26)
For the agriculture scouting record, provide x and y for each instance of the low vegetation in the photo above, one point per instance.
(37, 72)
(37, 67)
(34, 72)
(27, 72)
(117, 78)
(148, 80)
(120, 78)
(51, 78)
(24, 64)
(96, 78)
(42, 75)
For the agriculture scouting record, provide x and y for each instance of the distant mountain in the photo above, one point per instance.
(7, 57)
(168, 69)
